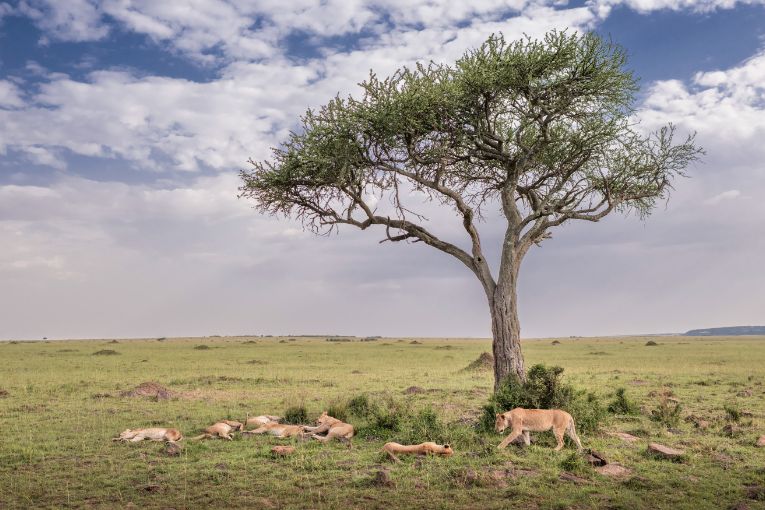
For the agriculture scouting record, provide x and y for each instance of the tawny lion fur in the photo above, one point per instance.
(221, 429)
(333, 428)
(153, 434)
(278, 430)
(428, 448)
(260, 420)
(521, 421)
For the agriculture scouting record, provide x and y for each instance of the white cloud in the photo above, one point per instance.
(10, 95)
(603, 7)
(725, 107)
(207, 30)
(725, 195)
(186, 257)
(160, 122)
(69, 20)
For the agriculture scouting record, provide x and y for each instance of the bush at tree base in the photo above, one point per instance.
(544, 388)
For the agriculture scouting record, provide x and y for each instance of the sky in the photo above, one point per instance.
(124, 124)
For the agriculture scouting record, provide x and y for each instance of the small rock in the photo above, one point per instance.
(698, 422)
(499, 477)
(283, 451)
(524, 472)
(570, 477)
(382, 479)
(760, 442)
(731, 430)
(664, 451)
(755, 492)
(614, 470)
(471, 478)
(595, 459)
(172, 449)
(723, 458)
(627, 438)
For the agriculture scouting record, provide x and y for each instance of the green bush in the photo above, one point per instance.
(296, 415)
(424, 426)
(621, 404)
(668, 413)
(338, 409)
(389, 416)
(574, 463)
(732, 413)
(545, 389)
(360, 407)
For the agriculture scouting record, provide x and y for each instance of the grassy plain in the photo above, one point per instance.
(62, 406)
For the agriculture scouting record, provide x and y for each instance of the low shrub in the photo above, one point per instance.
(544, 388)
(106, 352)
(360, 406)
(667, 413)
(622, 404)
(732, 413)
(389, 416)
(338, 409)
(425, 425)
(574, 463)
(296, 415)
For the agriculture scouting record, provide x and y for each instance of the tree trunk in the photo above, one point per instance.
(506, 329)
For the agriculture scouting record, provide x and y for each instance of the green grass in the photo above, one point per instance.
(55, 451)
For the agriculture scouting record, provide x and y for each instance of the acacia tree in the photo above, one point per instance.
(541, 129)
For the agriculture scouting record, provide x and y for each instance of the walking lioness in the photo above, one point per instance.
(521, 421)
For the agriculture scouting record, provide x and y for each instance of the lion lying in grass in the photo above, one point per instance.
(428, 448)
(153, 434)
(278, 430)
(221, 429)
(333, 428)
(260, 420)
(522, 421)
